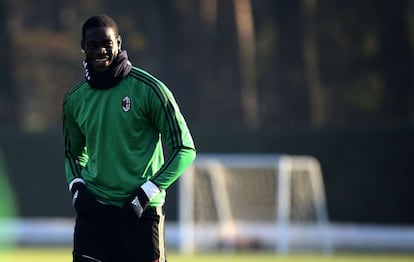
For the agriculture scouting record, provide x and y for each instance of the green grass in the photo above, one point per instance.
(63, 254)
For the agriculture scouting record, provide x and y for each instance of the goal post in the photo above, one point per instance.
(231, 201)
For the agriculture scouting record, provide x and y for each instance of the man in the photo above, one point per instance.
(113, 122)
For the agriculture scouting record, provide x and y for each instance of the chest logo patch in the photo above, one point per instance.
(126, 103)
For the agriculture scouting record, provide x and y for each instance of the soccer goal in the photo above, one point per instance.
(236, 201)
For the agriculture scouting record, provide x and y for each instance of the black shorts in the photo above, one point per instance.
(108, 235)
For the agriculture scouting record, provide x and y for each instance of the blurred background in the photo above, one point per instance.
(331, 79)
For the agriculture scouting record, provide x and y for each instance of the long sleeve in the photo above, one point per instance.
(175, 132)
(74, 144)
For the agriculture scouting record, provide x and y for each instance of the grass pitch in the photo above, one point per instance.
(64, 254)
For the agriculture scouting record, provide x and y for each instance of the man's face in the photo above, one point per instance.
(101, 46)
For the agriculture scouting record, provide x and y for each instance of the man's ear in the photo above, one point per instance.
(119, 39)
(82, 43)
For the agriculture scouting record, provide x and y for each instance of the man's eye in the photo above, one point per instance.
(108, 44)
(90, 46)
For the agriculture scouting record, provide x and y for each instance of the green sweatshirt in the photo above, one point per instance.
(113, 137)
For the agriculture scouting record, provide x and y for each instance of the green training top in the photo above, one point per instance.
(113, 137)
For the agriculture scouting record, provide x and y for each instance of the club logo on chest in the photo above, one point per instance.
(126, 103)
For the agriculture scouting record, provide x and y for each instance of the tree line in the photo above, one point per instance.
(232, 64)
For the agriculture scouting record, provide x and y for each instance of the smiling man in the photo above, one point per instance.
(114, 122)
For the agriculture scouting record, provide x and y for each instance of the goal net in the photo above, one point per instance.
(236, 201)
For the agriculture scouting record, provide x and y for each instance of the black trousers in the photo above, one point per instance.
(108, 234)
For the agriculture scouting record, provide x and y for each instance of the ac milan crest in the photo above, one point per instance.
(126, 103)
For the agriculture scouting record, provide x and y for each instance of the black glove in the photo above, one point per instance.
(140, 198)
(82, 200)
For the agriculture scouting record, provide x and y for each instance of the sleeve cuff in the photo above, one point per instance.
(150, 189)
(76, 180)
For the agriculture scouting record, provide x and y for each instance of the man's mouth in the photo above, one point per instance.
(101, 60)
(100, 63)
